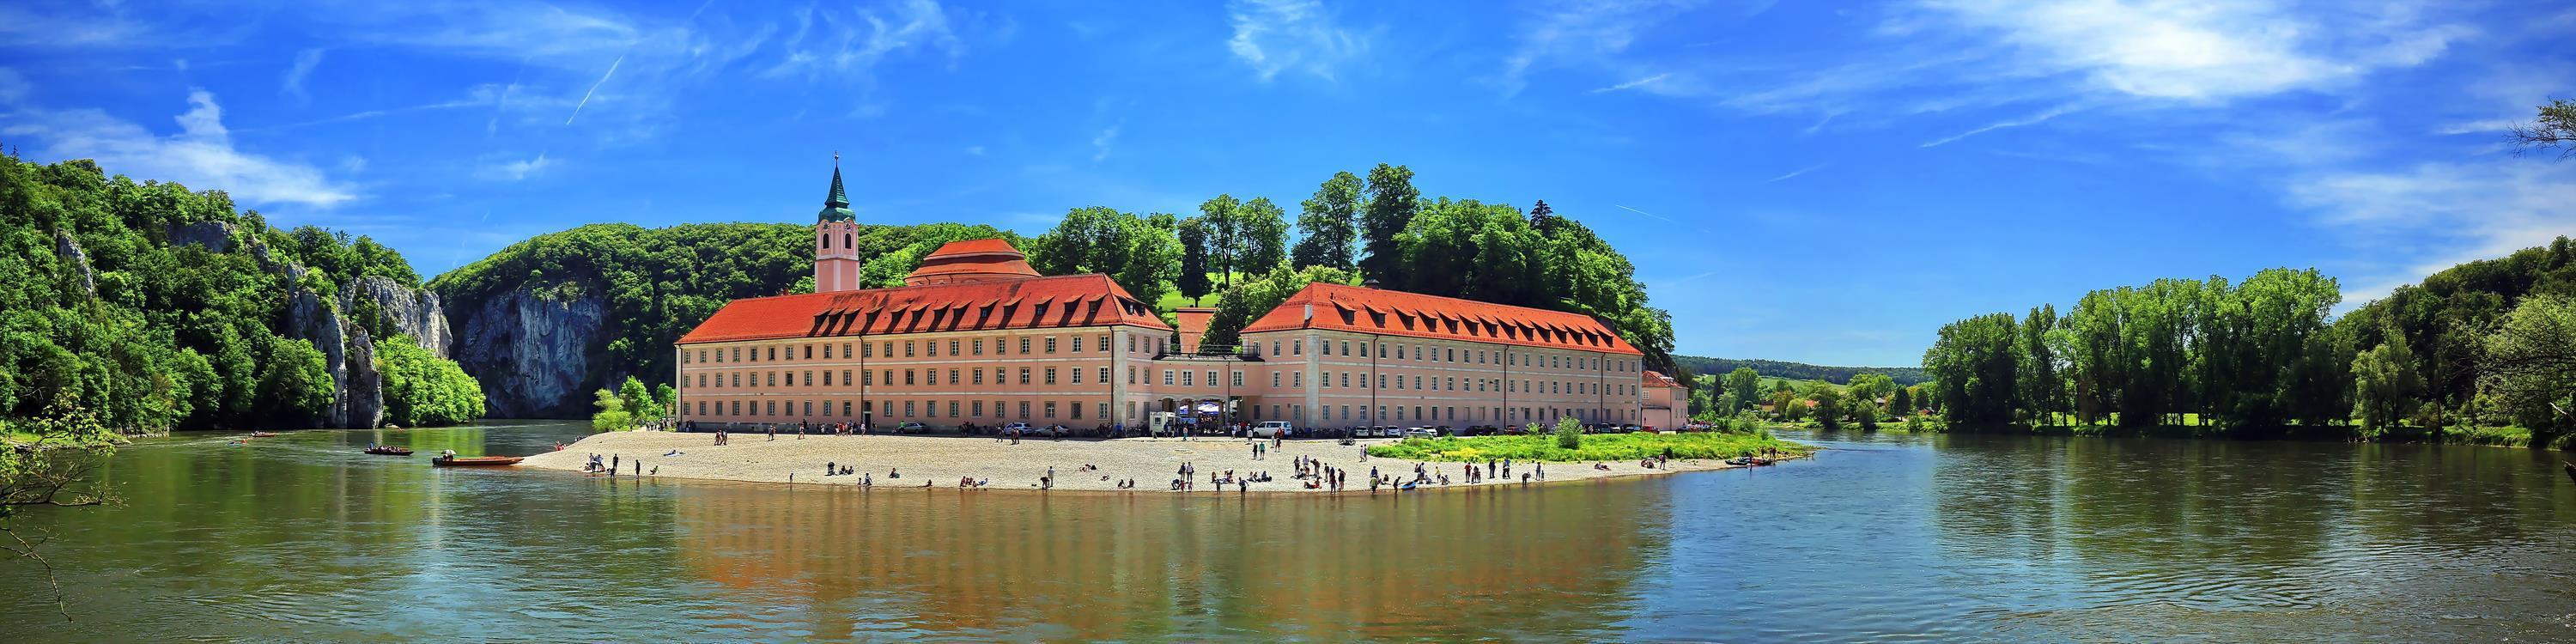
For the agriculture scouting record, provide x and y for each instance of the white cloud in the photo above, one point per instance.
(305, 61)
(824, 41)
(1100, 144)
(1633, 84)
(2033, 119)
(200, 155)
(2204, 51)
(1592, 31)
(2436, 215)
(13, 86)
(517, 170)
(1793, 174)
(1280, 35)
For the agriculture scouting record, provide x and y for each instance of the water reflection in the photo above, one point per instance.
(1946, 538)
(1482, 563)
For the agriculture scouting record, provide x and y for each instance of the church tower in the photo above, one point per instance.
(836, 261)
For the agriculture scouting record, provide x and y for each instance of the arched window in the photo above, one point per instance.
(827, 241)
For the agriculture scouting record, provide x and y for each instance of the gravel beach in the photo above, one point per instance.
(942, 460)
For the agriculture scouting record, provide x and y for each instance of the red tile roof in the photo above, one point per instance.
(1658, 379)
(1369, 310)
(1037, 302)
(989, 259)
(1194, 323)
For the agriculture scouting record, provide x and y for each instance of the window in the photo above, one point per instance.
(1296, 347)
(1274, 379)
(772, 407)
(1346, 379)
(1050, 375)
(1131, 373)
(979, 379)
(1050, 348)
(1050, 409)
(1104, 407)
(1346, 350)
(845, 377)
(1076, 405)
(978, 408)
(845, 351)
(1104, 377)
(1186, 380)
(1326, 381)
(952, 409)
(907, 409)
(809, 355)
(845, 405)
(1297, 380)
(931, 348)
(952, 350)
(1024, 350)
(1077, 348)
(907, 376)
(979, 350)
(1077, 375)
(1104, 348)
(1211, 378)
(773, 354)
(1324, 348)
(1238, 378)
(1024, 410)
(1024, 375)
(907, 352)
(1167, 377)
(952, 376)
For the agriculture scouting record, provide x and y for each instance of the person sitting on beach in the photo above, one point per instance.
(674, 452)
(893, 473)
(831, 468)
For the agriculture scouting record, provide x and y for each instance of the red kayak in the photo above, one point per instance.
(389, 450)
(466, 461)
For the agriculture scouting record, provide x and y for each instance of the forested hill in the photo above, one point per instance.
(1800, 371)
(546, 321)
(143, 307)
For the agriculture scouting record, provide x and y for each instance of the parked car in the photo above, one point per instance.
(1016, 428)
(1273, 429)
(912, 428)
(1630, 427)
(1420, 432)
(1514, 430)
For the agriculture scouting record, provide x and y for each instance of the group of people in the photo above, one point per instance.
(610, 466)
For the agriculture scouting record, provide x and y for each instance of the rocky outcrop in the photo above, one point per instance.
(311, 319)
(70, 250)
(364, 396)
(409, 311)
(214, 235)
(533, 353)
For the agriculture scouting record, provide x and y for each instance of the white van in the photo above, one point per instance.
(1273, 429)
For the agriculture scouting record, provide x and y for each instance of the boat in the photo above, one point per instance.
(389, 450)
(467, 461)
(263, 434)
(2571, 468)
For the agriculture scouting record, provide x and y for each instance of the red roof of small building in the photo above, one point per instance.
(1356, 309)
(1658, 379)
(975, 246)
(1193, 324)
(1036, 302)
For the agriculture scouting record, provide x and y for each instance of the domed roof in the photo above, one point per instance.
(973, 260)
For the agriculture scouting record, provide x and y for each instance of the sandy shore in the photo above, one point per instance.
(941, 460)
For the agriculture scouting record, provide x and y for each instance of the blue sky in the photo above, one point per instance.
(1820, 182)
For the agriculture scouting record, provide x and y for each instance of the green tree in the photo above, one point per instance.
(1742, 382)
(2530, 364)
(1240, 305)
(637, 400)
(2041, 388)
(1142, 254)
(1975, 369)
(1223, 220)
(1569, 433)
(423, 390)
(1829, 409)
(2555, 129)
(295, 383)
(2385, 385)
(1389, 209)
(1193, 281)
(1329, 224)
(1264, 231)
(612, 415)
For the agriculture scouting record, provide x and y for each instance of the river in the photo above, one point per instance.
(1880, 538)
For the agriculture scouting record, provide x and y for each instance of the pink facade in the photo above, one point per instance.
(977, 337)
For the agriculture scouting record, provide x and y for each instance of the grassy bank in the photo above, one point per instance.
(1595, 447)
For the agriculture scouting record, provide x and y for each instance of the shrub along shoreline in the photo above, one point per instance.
(1592, 447)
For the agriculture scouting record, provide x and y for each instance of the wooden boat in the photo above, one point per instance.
(389, 450)
(467, 461)
(263, 434)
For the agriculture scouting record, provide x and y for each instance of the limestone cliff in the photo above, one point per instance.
(534, 352)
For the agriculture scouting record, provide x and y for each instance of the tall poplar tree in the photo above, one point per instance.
(1329, 223)
(1391, 203)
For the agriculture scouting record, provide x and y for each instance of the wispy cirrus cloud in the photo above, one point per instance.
(1274, 36)
(2033, 119)
(1642, 82)
(201, 153)
(293, 86)
(2437, 215)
